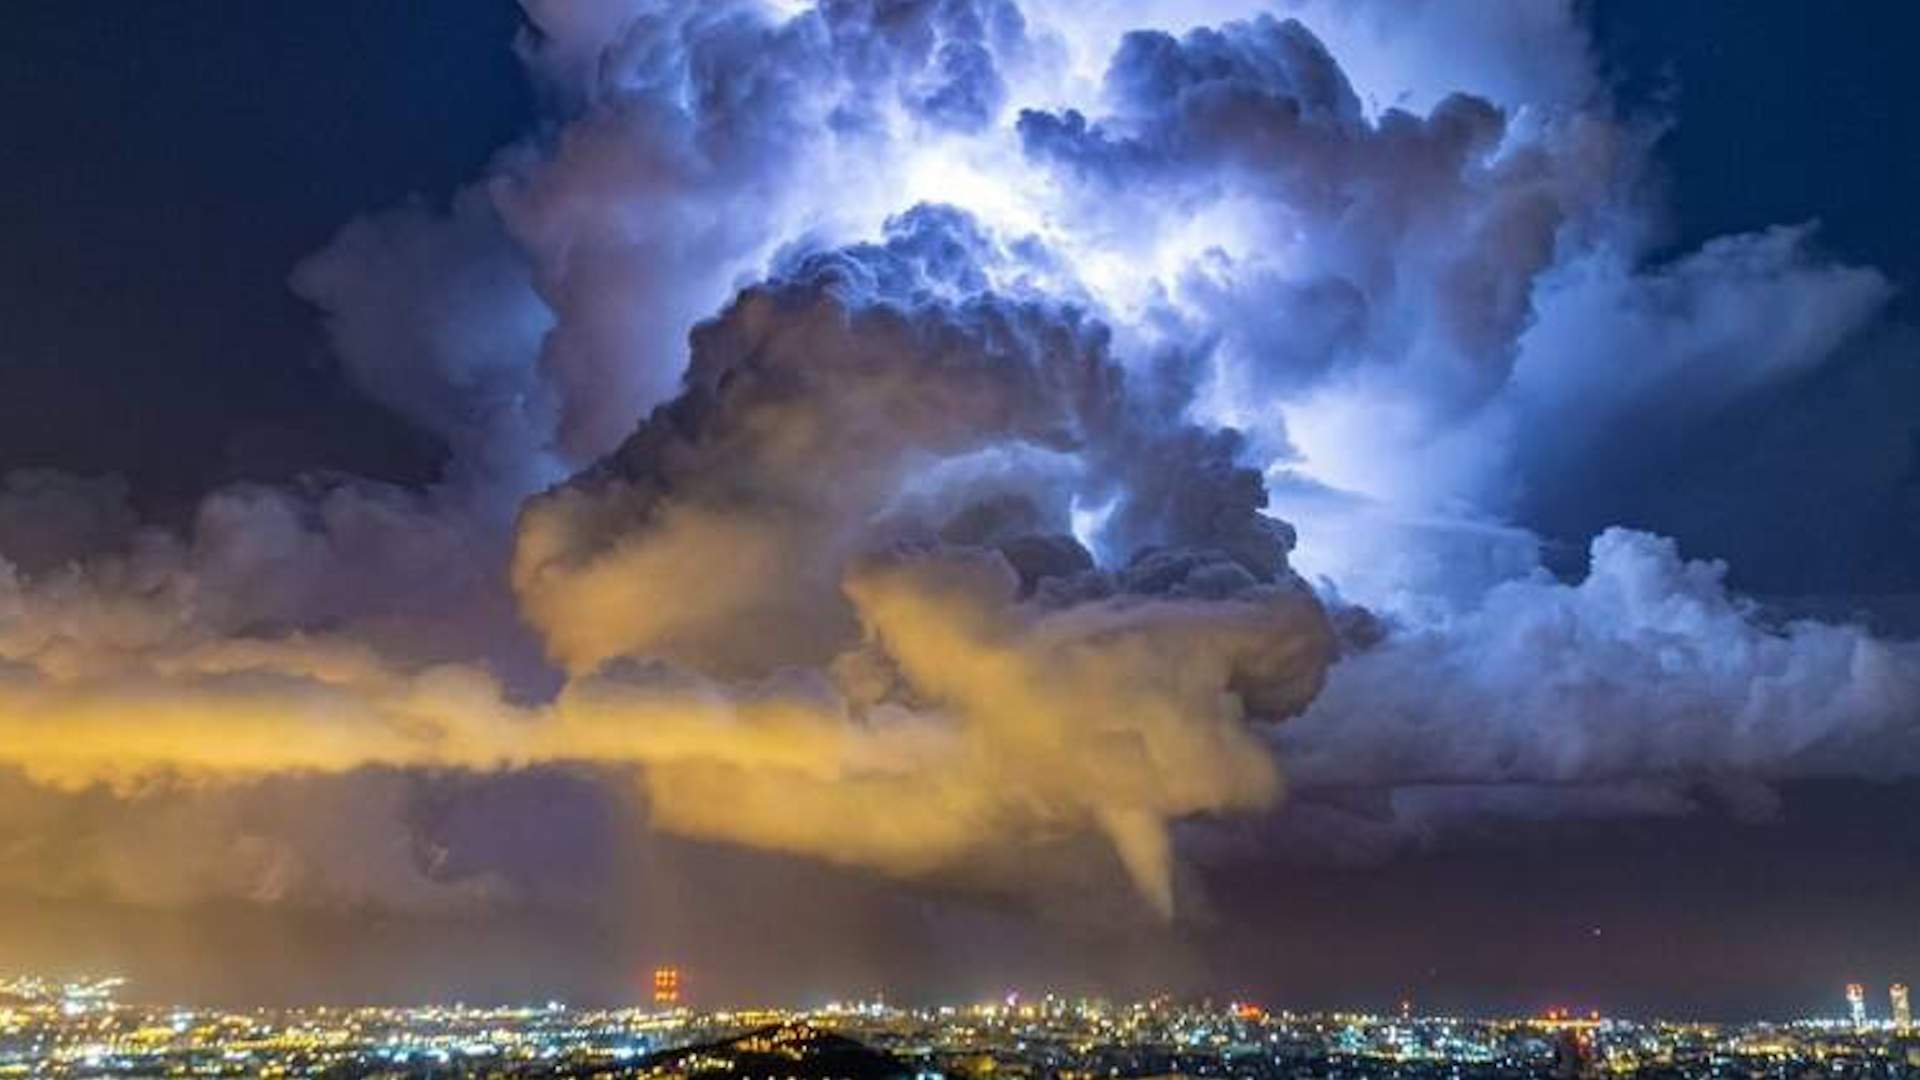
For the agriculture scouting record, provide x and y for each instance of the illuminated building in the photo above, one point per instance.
(1902, 1007)
(1857, 1005)
(666, 987)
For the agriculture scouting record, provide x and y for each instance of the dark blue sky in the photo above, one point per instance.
(1785, 111)
(1782, 112)
(170, 162)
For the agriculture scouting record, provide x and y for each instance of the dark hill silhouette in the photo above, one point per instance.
(776, 1052)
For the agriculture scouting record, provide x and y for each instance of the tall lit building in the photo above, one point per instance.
(666, 987)
(1857, 1005)
(1902, 1007)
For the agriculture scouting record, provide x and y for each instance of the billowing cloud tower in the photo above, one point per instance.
(917, 434)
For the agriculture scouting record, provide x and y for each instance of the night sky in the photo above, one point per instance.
(365, 634)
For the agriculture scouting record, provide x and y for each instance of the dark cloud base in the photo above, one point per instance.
(1715, 918)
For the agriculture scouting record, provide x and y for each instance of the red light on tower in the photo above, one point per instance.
(666, 987)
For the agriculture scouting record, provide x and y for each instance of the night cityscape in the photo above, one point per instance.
(81, 1029)
(1128, 539)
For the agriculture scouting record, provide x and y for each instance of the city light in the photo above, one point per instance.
(1046, 1037)
(666, 987)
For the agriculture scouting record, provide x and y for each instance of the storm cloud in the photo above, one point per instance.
(902, 434)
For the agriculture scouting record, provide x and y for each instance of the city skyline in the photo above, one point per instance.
(661, 989)
(80, 1029)
(1323, 502)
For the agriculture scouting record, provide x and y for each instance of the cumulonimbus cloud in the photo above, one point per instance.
(922, 371)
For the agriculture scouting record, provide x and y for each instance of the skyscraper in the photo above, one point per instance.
(666, 987)
(1902, 1007)
(1857, 1005)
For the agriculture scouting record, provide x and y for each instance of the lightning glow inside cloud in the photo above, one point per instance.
(943, 388)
